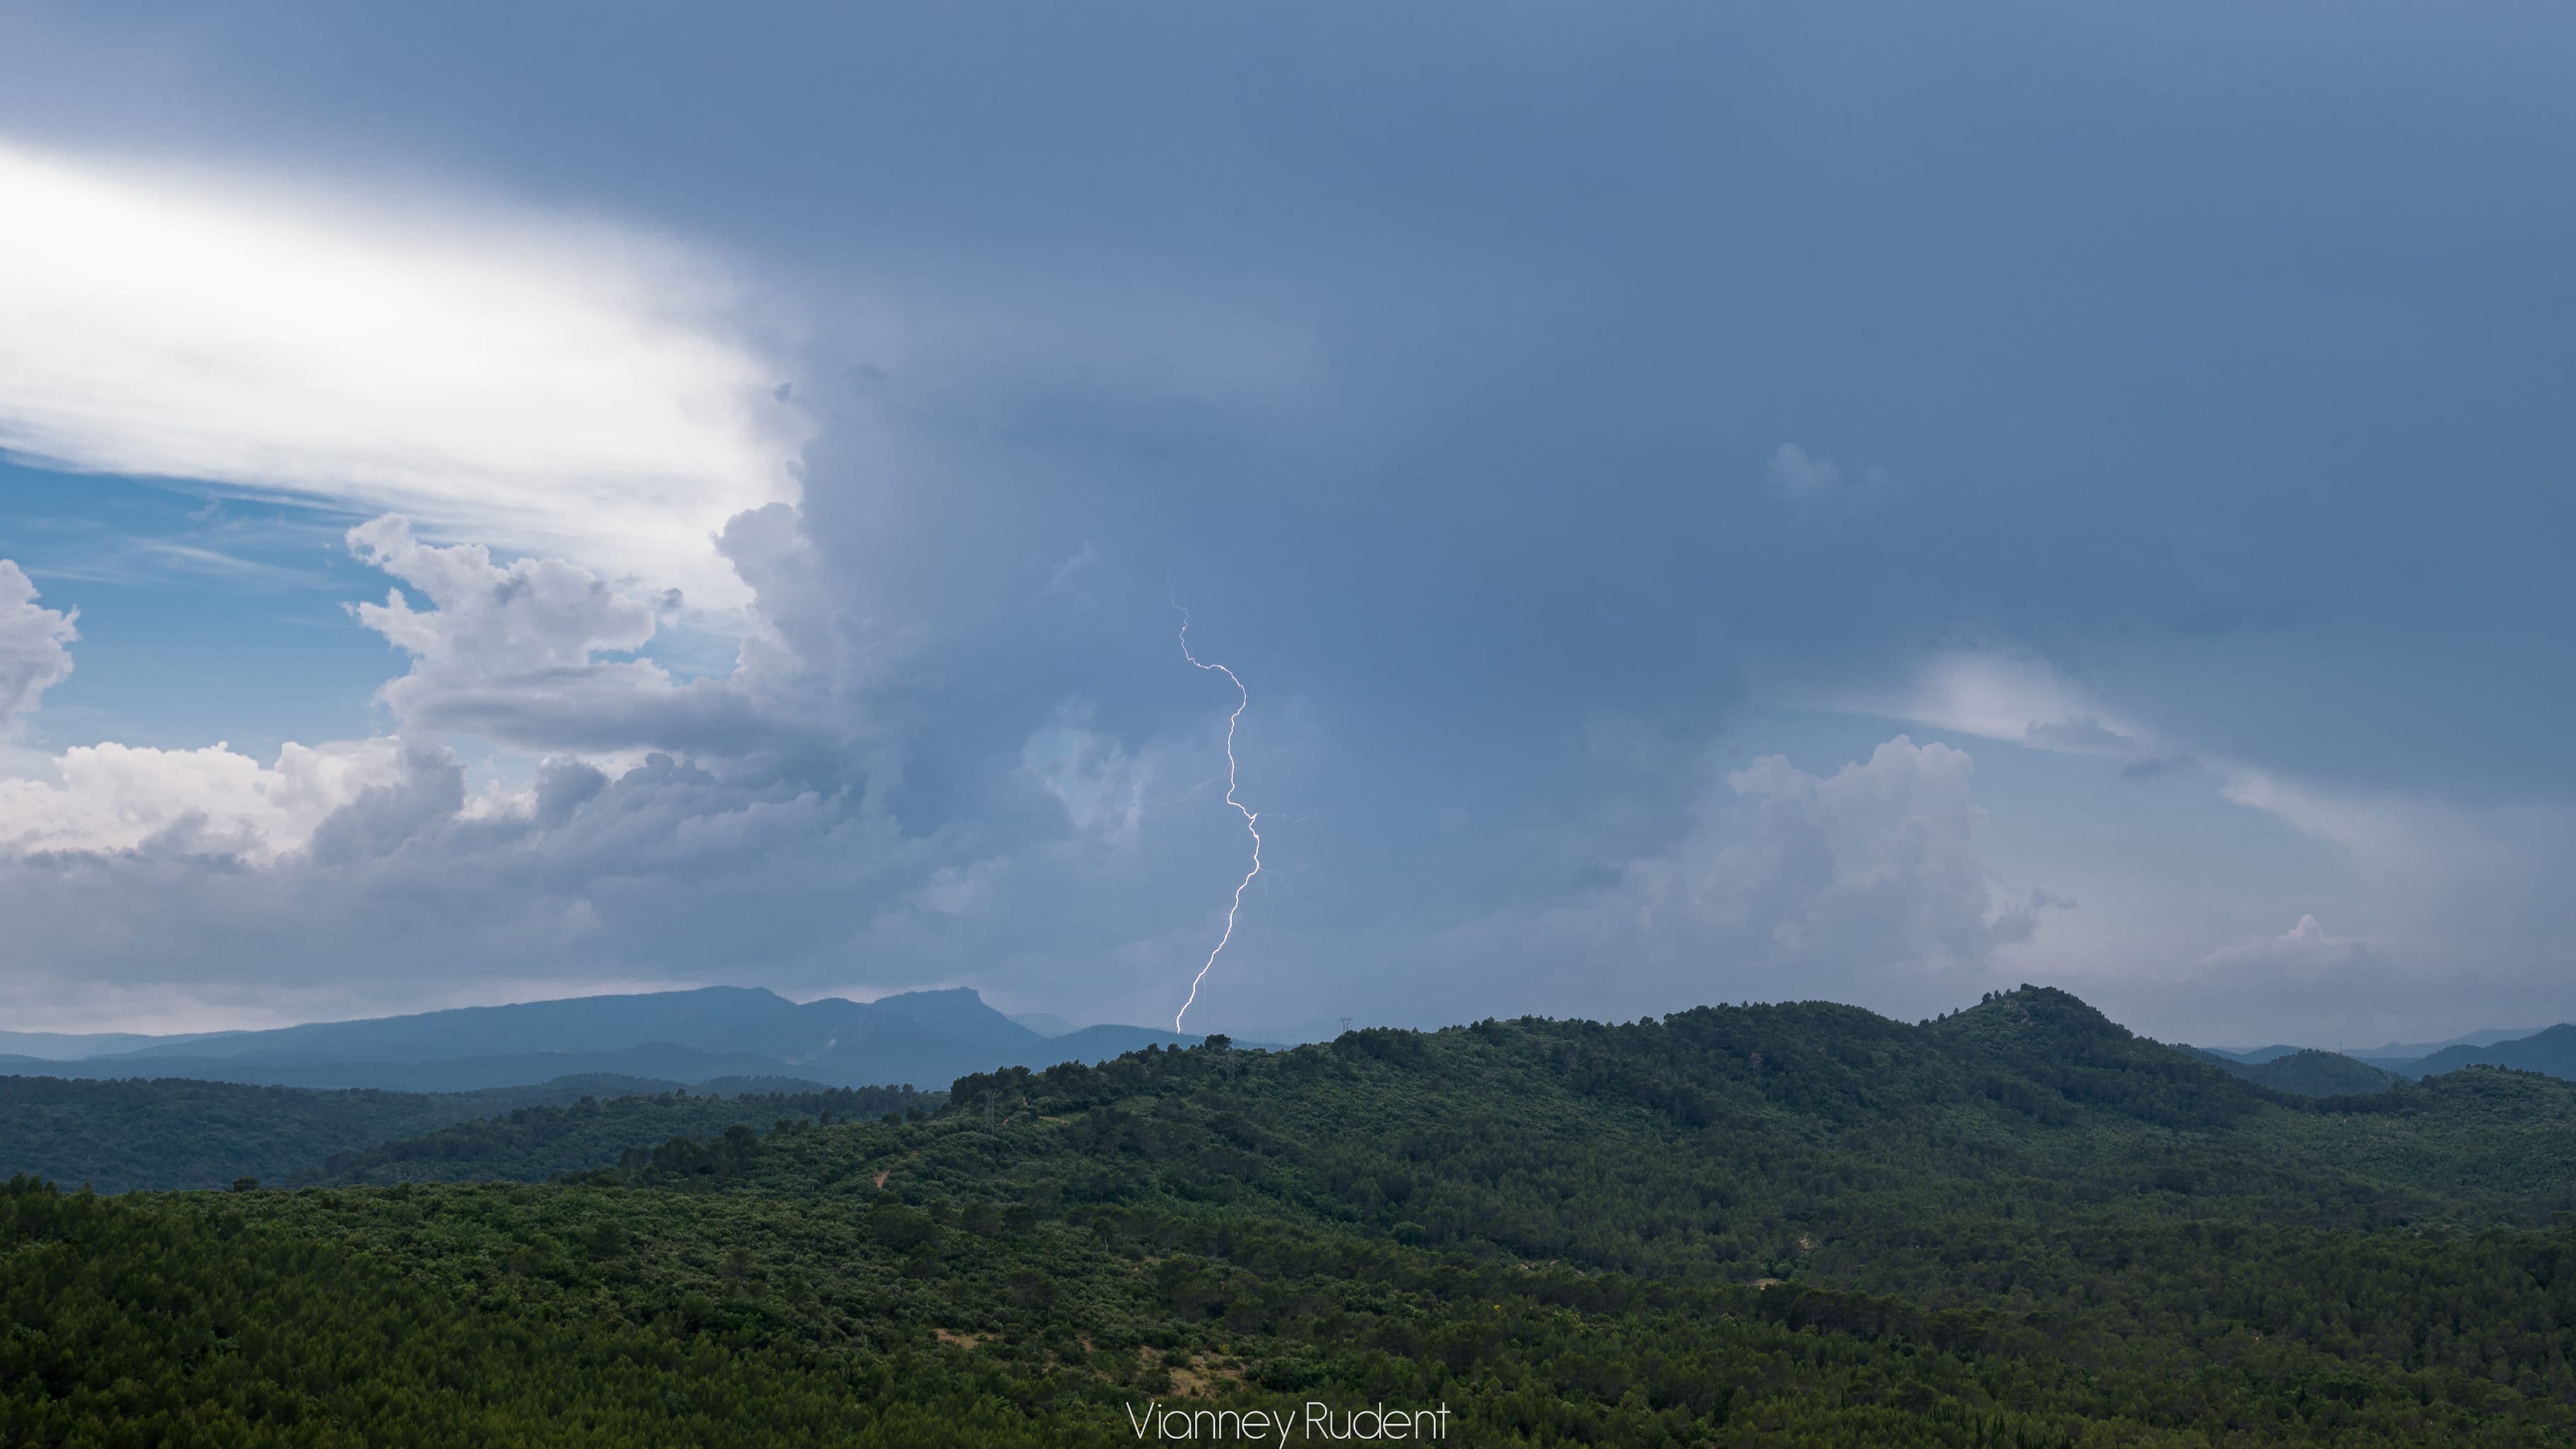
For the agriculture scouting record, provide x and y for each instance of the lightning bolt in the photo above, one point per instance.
(1251, 821)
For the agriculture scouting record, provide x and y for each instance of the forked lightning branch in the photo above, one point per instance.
(1251, 821)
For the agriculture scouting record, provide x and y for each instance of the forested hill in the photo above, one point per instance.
(116, 1135)
(167, 1132)
(1798, 1224)
(531, 1144)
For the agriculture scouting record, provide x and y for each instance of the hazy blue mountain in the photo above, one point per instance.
(2552, 1052)
(958, 1015)
(1097, 1044)
(713, 1019)
(923, 1038)
(656, 1061)
(2393, 1056)
(931, 1038)
(56, 1046)
(1044, 1023)
(2404, 1051)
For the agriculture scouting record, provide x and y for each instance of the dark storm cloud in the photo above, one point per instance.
(1441, 360)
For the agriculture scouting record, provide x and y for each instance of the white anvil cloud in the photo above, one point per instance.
(546, 388)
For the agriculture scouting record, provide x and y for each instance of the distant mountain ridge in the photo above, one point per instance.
(64, 1046)
(2390, 1056)
(922, 1038)
(2306, 1071)
(2311, 1072)
(2409, 1051)
(2552, 1052)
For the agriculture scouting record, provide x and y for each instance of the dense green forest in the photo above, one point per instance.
(165, 1132)
(169, 1133)
(531, 1144)
(1803, 1224)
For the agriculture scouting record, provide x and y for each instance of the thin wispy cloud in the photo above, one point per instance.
(1820, 485)
(1085, 557)
(164, 562)
(2000, 694)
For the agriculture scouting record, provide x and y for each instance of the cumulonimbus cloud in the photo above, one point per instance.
(543, 387)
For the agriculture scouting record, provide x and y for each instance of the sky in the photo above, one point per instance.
(1705, 503)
